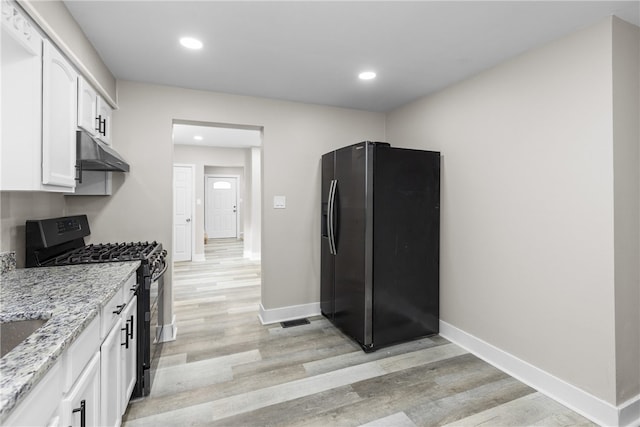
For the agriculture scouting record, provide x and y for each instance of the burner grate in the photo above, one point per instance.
(106, 252)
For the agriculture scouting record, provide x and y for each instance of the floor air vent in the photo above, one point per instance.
(295, 322)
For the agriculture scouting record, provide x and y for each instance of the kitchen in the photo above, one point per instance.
(502, 217)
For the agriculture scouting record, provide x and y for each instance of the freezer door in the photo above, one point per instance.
(327, 259)
(352, 292)
(406, 250)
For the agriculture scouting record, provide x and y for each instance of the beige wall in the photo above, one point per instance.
(527, 249)
(16, 208)
(295, 136)
(626, 134)
(57, 22)
(539, 239)
(203, 157)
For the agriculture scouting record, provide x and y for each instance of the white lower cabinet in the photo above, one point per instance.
(81, 406)
(42, 406)
(91, 383)
(128, 354)
(110, 373)
(118, 353)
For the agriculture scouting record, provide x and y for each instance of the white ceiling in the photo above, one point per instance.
(185, 134)
(312, 51)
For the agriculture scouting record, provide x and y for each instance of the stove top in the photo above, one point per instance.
(106, 252)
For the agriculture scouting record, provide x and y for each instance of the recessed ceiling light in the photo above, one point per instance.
(197, 138)
(367, 75)
(191, 43)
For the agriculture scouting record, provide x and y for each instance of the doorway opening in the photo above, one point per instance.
(226, 161)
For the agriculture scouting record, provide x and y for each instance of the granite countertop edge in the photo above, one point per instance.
(69, 298)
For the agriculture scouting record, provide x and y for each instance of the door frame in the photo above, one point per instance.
(193, 206)
(206, 198)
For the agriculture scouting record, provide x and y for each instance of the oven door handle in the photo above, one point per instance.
(166, 265)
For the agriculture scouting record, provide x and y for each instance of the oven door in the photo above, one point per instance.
(151, 329)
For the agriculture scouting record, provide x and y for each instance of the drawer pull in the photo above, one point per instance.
(119, 308)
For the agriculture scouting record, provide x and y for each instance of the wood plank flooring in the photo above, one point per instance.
(226, 369)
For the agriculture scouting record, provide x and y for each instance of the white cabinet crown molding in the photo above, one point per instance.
(68, 52)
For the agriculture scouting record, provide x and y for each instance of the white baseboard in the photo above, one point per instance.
(594, 408)
(169, 332)
(629, 413)
(253, 256)
(281, 314)
(198, 258)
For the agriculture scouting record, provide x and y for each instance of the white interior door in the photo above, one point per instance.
(222, 207)
(182, 215)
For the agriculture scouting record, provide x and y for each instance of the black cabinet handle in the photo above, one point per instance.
(131, 332)
(102, 125)
(126, 335)
(83, 412)
(120, 308)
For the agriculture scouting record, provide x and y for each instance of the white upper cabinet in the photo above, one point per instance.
(22, 153)
(104, 121)
(21, 112)
(94, 113)
(87, 107)
(59, 112)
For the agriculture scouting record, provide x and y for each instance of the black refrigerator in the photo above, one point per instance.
(380, 242)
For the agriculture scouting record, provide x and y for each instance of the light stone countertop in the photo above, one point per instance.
(70, 297)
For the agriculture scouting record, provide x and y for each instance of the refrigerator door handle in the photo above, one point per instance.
(330, 217)
(332, 195)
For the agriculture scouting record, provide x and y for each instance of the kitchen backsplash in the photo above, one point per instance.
(16, 207)
(7, 261)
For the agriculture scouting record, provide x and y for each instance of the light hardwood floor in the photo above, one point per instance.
(226, 369)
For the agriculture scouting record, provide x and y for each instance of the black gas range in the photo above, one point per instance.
(60, 241)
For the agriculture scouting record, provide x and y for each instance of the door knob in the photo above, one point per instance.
(188, 219)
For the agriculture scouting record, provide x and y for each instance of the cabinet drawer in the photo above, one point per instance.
(130, 287)
(80, 352)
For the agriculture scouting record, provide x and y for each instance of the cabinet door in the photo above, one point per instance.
(104, 120)
(87, 107)
(59, 98)
(128, 358)
(83, 401)
(21, 101)
(41, 407)
(110, 372)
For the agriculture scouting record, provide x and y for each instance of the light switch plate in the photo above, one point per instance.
(279, 202)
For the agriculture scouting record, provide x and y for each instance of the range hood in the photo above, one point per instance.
(93, 155)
